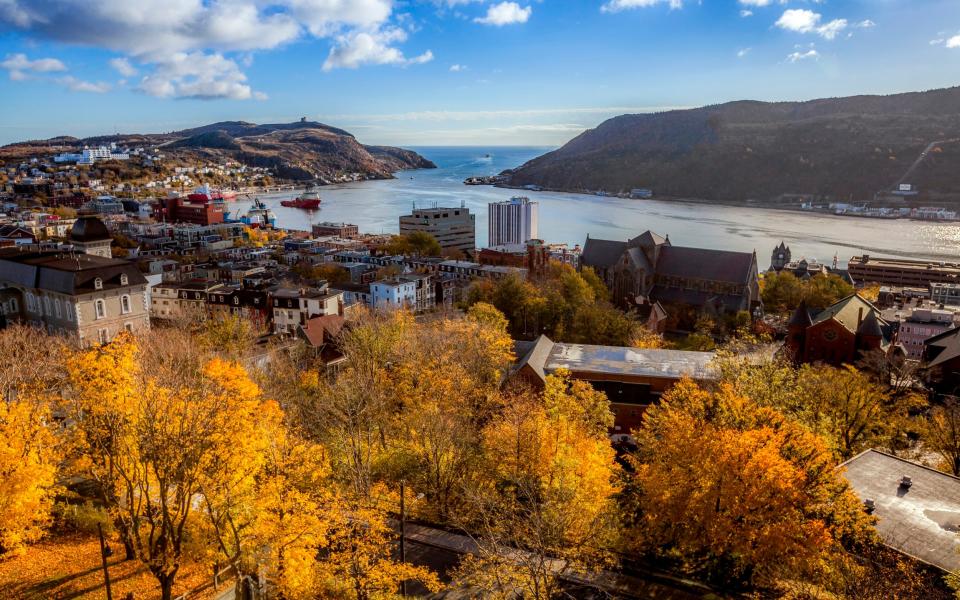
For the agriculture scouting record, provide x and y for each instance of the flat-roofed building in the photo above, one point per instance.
(453, 228)
(902, 272)
(340, 230)
(917, 508)
(512, 221)
(632, 378)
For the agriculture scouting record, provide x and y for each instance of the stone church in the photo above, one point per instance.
(648, 268)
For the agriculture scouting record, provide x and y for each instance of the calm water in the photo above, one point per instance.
(376, 205)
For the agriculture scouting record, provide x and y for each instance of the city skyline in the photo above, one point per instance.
(448, 72)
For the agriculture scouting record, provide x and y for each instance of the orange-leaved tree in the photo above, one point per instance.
(738, 493)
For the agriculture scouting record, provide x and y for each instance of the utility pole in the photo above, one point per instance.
(403, 533)
(104, 553)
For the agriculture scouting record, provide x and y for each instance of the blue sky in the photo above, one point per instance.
(448, 72)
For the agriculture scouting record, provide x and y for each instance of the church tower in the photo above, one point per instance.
(780, 257)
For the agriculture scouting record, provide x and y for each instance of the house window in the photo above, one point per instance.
(56, 307)
(98, 284)
(123, 279)
(13, 305)
(124, 304)
(101, 309)
(102, 336)
(236, 300)
(128, 327)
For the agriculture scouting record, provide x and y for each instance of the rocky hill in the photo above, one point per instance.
(303, 150)
(838, 148)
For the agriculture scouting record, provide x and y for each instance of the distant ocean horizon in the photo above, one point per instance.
(375, 206)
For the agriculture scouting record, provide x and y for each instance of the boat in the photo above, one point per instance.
(259, 216)
(205, 192)
(308, 200)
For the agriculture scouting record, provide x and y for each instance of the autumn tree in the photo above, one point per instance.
(31, 376)
(737, 493)
(547, 506)
(942, 434)
(782, 292)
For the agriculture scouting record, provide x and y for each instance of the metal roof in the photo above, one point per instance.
(921, 520)
(616, 360)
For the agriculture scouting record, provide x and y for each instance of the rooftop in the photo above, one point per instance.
(921, 520)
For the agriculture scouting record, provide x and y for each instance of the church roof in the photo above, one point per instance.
(649, 239)
(847, 312)
(870, 326)
(943, 347)
(708, 265)
(602, 253)
(66, 273)
(89, 229)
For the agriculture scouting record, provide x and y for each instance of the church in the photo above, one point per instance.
(649, 269)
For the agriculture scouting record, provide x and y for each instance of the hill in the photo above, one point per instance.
(837, 148)
(303, 150)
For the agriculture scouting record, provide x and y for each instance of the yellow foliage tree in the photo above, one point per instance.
(735, 491)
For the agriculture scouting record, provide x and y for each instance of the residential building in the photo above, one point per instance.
(339, 230)
(393, 293)
(250, 304)
(86, 296)
(941, 356)
(632, 378)
(14, 235)
(840, 334)
(454, 228)
(917, 508)
(650, 268)
(917, 325)
(902, 272)
(512, 221)
(294, 307)
(176, 301)
(322, 336)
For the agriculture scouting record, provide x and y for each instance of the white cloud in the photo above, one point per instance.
(618, 5)
(953, 42)
(19, 67)
(743, 52)
(757, 3)
(371, 48)
(457, 68)
(78, 85)
(197, 75)
(505, 13)
(155, 33)
(746, 13)
(801, 20)
(865, 24)
(123, 66)
(798, 56)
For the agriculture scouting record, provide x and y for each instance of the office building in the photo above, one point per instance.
(512, 221)
(454, 228)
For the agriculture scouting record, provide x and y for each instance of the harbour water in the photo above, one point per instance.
(376, 205)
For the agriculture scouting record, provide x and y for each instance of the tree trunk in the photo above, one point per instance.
(166, 588)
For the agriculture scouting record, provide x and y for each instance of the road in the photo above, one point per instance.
(921, 158)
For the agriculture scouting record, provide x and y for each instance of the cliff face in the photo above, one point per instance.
(840, 147)
(302, 150)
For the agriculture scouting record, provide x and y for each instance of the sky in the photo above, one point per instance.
(448, 72)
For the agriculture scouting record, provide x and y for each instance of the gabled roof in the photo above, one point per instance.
(709, 265)
(870, 326)
(601, 253)
(536, 356)
(649, 239)
(847, 313)
(321, 330)
(66, 273)
(921, 520)
(943, 347)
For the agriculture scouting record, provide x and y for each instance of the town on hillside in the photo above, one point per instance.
(862, 361)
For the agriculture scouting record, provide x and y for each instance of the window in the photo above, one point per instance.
(98, 284)
(56, 307)
(101, 309)
(13, 305)
(236, 300)
(102, 336)
(124, 304)
(124, 280)
(128, 327)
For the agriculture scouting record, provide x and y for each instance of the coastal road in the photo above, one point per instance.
(921, 158)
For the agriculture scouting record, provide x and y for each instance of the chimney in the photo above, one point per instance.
(906, 482)
(869, 506)
(860, 318)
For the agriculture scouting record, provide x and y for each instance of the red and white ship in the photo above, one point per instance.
(205, 192)
(308, 200)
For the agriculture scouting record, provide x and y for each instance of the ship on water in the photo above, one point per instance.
(308, 200)
(205, 193)
(259, 216)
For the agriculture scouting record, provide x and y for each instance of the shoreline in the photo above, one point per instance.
(730, 203)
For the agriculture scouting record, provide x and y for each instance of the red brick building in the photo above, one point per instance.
(840, 334)
(182, 210)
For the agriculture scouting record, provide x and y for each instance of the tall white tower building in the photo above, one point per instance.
(512, 221)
